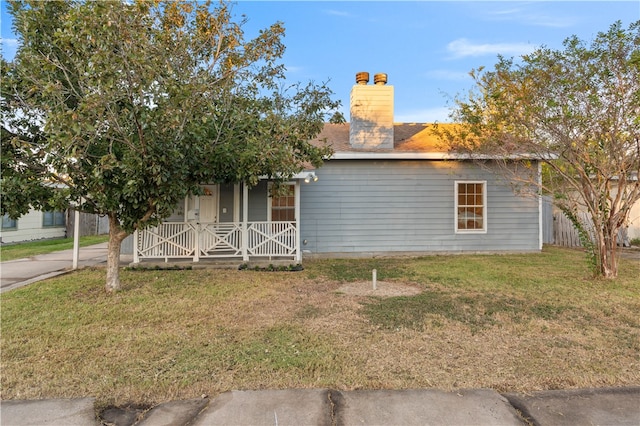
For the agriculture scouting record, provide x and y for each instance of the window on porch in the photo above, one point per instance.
(283, 207)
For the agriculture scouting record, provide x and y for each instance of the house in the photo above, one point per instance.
(34, 225)
(389, 188)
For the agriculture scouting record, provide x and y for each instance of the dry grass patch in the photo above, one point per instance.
(511, 323)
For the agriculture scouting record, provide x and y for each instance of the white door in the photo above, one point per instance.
(208, 209)
(203, 208)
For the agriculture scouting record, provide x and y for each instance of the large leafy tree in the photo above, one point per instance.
(578, 111)
(131, 105)
(23, 184)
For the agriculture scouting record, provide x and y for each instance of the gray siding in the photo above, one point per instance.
(226, 203)
(408, 206)
(258, 202)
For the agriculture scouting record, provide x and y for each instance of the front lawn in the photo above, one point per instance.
(508, 322)
(34, 248)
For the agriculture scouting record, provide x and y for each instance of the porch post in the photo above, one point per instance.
(540, 224)
(245, 220)
(196, 230)
(136, 258)
(297, 214)
(186, 209)
(236, 202)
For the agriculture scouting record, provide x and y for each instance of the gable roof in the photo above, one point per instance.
(411, 141)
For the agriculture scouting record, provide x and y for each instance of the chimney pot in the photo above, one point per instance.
(380, 79)
(362, 78)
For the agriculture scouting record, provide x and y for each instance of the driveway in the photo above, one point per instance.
(20, 272)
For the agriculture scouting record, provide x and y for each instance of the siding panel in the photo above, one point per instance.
(408, 206)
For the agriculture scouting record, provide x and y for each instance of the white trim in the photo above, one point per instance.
(429, 156)
(297, 214)
(540, 207)
(484, 207)
(245, 220)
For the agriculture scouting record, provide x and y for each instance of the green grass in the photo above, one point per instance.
(33, 248)
(508, 322)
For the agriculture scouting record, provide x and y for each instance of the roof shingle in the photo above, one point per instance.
(408, 137)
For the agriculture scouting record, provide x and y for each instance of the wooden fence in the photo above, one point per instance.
(566, 235)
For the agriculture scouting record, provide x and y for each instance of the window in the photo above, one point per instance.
(8, 223)
(471, 206)
(283, 207)
(53, 218)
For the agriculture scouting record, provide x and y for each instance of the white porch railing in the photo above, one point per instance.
(180, 240)
(167, 240)
(271, 239)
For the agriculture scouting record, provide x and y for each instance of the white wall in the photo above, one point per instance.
(29, 227)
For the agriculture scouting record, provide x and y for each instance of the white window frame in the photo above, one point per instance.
(483, 230)
(270, 202)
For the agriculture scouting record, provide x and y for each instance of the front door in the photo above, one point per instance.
(209, 204)
(203, 208)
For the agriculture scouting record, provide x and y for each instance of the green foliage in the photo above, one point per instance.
(21, 163)
(130, 106)
(585, 240)
(574, 109)
(272, 268)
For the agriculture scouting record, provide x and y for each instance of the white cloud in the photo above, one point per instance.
(9, 46)
(9, 42)
(462, 47)
(336, 12)
(527, 17)
(448, 75)
(293, 69)
(428, 115)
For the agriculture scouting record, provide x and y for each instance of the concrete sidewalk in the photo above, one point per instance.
(20, 272)
(607, 406)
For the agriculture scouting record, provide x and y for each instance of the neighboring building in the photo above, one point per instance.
(633, 232)
(389, 188)
(34, 225)
(39, 225)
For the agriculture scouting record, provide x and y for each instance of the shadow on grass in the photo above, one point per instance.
(478, 311)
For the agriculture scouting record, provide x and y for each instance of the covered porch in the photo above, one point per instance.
(229, 222)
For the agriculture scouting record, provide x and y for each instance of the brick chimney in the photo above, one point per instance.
(371, 113)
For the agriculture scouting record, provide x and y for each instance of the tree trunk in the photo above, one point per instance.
(607, 253)
(116, 235)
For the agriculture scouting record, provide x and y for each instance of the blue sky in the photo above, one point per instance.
(427, 48)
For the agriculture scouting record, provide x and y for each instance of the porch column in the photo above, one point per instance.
(136, 257)
(236, 202)
(540, 224)
(245, 220)
(297, 214)
(196, 230)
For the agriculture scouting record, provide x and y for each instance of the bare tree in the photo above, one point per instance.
(576, 110)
